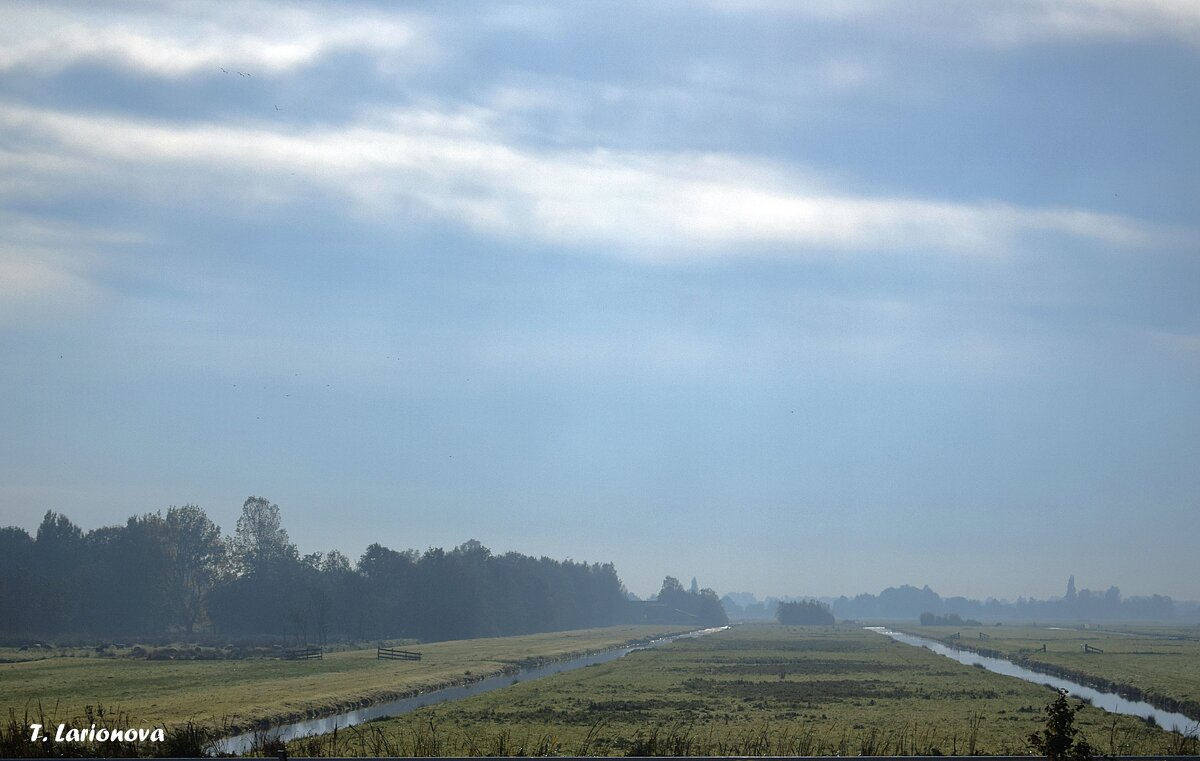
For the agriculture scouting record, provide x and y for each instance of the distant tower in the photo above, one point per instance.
(1071, 588)
(695, 587)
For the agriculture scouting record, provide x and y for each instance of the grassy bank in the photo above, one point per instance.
(243, 693)
(752, 690)
(1159, 665)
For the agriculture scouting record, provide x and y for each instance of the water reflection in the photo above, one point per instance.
(1108, 701)
(238, 744)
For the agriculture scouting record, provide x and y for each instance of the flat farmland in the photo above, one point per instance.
(241, 693)
(754, 689)
(1160, 665)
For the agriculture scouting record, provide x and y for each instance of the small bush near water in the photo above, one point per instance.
(1058, 740)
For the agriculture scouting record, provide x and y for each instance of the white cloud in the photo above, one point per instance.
(1181, 344)
(821, 76)
(453, 166)
(42, 281)
(840, 10)
(175, 39)
(997, 22)
(1038, 20)
(50, 267)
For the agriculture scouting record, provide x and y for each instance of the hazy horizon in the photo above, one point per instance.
(652, 587)
(808, 298)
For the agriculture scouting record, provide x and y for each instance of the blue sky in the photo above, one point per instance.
(798, 298)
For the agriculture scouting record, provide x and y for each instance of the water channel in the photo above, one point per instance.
(238, 744)
(1176, 722)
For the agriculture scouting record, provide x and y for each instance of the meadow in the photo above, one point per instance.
(1159, 665)
(751, 690)
(240, 694)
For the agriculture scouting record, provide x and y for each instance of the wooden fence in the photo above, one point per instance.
(306, 654)
(392, 654)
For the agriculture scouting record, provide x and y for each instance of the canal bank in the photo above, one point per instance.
(1111, 701)
(456, 690)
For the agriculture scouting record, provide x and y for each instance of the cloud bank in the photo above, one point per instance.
(646, 205)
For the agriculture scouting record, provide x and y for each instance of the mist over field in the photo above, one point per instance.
(175, 576)
(804, 300)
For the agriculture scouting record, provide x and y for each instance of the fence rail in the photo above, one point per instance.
(392, 654)
(305, 654)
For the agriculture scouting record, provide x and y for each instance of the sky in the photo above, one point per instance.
(796, 298)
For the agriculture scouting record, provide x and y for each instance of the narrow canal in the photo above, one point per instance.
(1176, 722)
(238, 744)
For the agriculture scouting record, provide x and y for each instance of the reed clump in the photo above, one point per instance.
(17, 736)
(431, 738)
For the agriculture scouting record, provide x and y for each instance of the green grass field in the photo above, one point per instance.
(242, 692)
(751, 690)
(1162, 663)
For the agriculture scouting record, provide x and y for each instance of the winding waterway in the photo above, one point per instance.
(1176, 722)
(238, 744)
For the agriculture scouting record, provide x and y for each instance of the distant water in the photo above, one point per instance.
(1176, 722)
(238, 744)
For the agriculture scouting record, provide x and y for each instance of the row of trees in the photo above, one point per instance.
(152, 574)
(950, 619)
(908, 602)
(804, 613)
(700, 606)
(1083, 605)
(165, 574)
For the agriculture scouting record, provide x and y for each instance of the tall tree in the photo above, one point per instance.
(261, 542)
(58, 551)
(672, 593)
(18, 582)
(197, 553)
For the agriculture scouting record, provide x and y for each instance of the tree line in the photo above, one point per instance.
(804, 613)
(176, 574)
(1082, 605)
(909, 602)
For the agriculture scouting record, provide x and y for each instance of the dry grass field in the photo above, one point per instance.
(1157, 664)
(751, 690)
(241, 693)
